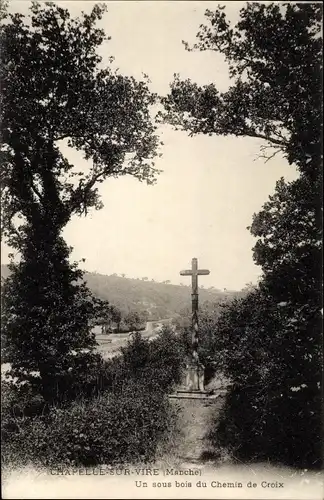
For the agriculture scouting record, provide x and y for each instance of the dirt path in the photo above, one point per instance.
(196, 418)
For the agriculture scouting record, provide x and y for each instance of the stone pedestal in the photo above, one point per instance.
(192, 386)
(194, 377)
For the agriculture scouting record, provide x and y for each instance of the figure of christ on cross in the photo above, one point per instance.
(194, 272)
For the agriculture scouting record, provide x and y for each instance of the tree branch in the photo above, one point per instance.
(261, 136)
(81, 191)
(266, 157)
(35, 190)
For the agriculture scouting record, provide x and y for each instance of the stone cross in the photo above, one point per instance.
(194, 272)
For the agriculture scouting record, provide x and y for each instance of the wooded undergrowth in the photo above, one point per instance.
(118, 413)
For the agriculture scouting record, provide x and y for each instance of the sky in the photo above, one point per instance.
(209, 187)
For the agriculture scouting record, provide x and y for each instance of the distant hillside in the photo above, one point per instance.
(160, 300)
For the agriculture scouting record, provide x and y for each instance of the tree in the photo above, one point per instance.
(272, 411)
(46, 316)
(54, 90)
(136, 354)
(269, 341)
(134, 320)
(116, 316)
(275, 59)
(107, 314)
(289, 245)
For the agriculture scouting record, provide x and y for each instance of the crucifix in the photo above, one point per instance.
(194, 272)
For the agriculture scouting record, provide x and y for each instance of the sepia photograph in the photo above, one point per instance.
(161, 250)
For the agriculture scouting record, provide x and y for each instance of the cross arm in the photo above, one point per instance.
(188, 272)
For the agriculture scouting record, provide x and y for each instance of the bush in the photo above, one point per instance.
(156, 364)
(119, 415)
(273, 411)
(167, 358)
(110, 429)
(253, 427)
(20, 400)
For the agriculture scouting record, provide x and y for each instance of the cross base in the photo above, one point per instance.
(193, 385)
(194, 377)
(202, 395)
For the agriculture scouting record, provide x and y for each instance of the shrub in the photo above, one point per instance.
(264, 432)
(111, 429)
(273, 411)
(20, 400)
(167, 358)
(119, 415)
(156, 364)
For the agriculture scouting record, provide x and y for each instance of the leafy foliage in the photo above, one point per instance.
(53, 89)
(269, 342)
(274, 363)
(136, 320)
(110, 429)
(46, 317)
(107, 314)
(122, 414)
(289, 243)
(275, 60)
(159, 361)
(156, 363)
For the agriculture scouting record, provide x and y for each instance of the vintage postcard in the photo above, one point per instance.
(161, 212)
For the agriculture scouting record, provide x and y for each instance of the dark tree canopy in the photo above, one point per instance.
(45, 318)
(289, 244)
(275, 60)
(54, 88)
(272, 412)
